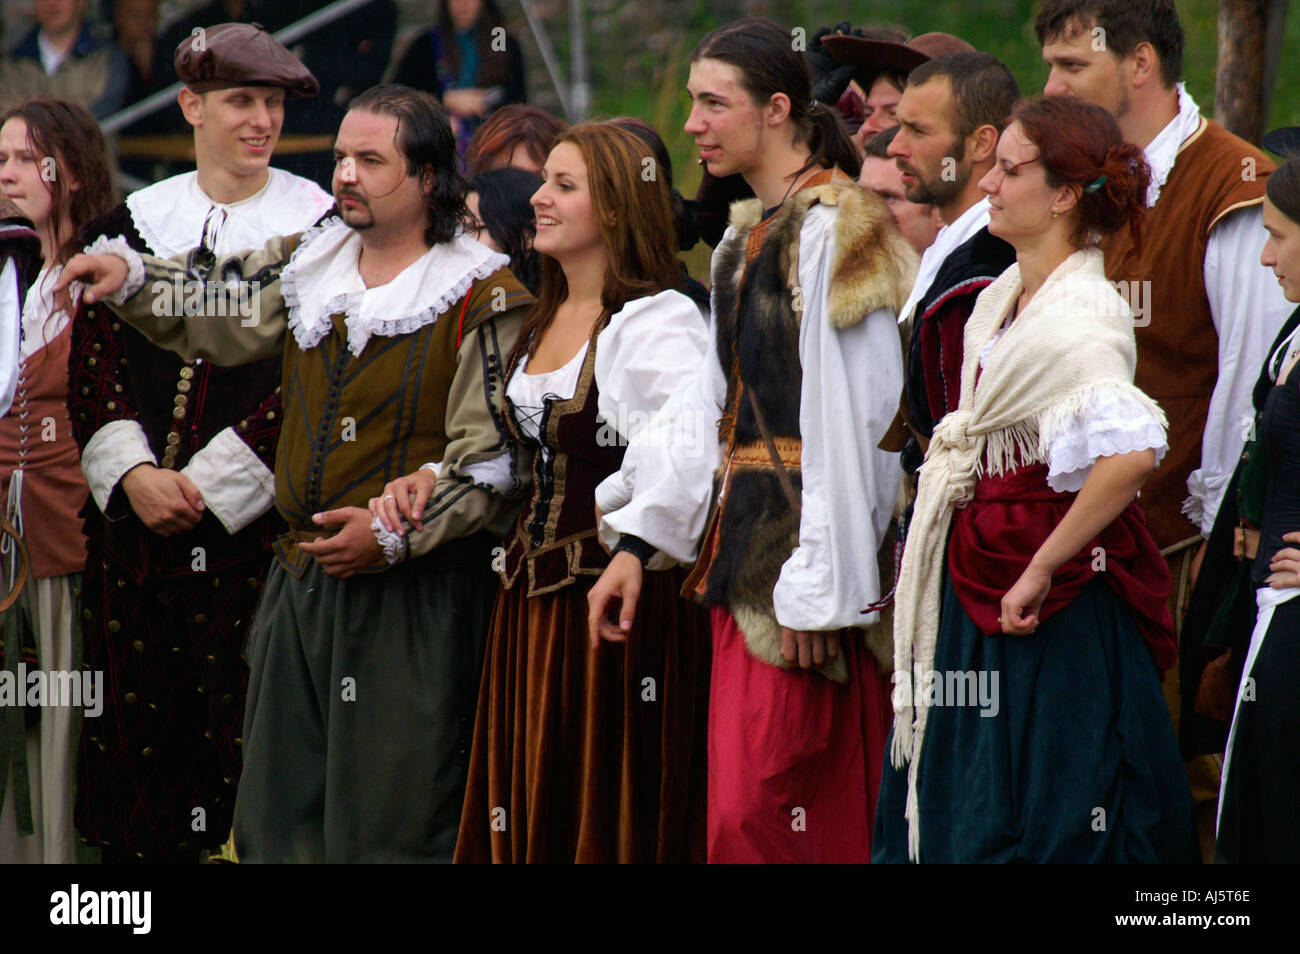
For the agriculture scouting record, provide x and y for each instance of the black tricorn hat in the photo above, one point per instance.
(873, 57)
(1284, 142)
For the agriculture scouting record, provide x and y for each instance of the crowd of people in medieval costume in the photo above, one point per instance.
(447, 517)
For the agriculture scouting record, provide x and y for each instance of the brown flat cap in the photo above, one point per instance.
(873, 57)
(241, 54)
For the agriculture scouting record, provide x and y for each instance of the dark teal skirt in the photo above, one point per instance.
(1067, 756)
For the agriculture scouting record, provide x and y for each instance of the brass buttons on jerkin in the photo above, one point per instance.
(180, 407)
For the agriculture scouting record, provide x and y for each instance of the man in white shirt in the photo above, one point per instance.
(62, 57)
(179, 456)
(1134, 75)
(950, 117)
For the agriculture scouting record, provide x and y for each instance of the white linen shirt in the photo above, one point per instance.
(851, 379)
(1248, 309)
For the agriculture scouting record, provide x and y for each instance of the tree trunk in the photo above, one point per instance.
(1239, 90)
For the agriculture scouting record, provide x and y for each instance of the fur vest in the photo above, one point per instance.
(758, 309)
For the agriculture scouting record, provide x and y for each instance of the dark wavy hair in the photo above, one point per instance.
(69, 134)
(765, 56)
(507, 214)
(425, 140)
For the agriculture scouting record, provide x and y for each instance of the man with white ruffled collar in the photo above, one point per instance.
(178, 456)
(392, 325)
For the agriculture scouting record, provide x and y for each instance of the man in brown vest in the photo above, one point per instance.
(1205, 309)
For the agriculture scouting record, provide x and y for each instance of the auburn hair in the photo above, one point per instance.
(635, 217)
(1080, 144)
(511, 126)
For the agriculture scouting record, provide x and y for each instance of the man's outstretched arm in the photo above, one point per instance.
(231, 313)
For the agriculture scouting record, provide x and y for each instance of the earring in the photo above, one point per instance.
(1056, 215)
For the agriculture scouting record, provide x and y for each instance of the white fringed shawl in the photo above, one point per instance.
(1073, 340)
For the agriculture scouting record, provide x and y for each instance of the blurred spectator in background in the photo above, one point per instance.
(61, 57)
(135, 25)
(347, 56)
(499, 201)
(518, 136)
(920, 222)
(468, 61)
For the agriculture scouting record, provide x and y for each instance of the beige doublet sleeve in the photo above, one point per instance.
(236, 316)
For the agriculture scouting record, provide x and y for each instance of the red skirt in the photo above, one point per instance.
(794, 759)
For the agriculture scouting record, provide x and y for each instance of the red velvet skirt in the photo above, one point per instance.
(794, 759)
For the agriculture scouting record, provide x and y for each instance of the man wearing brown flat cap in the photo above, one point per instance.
(178, 455)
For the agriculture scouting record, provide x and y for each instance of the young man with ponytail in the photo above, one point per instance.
(800, 381)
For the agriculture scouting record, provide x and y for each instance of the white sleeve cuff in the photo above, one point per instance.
(613, 493)
(436, 468)
(1113, 422)
(134, 263)
(112, 451)
(235, 484)
(496, 474)
(1202, 506)
(392, 543)
(804, 595)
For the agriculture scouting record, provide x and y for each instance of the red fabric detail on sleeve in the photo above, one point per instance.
(942, 334)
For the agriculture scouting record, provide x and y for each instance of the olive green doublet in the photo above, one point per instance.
(355, 421)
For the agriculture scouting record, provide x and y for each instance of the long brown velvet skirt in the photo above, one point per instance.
(585, 755)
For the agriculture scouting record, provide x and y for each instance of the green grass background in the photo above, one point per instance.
(647, 77)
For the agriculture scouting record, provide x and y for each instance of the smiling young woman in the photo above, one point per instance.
(591, 753)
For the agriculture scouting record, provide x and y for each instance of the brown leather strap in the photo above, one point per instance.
(24, 561)
(1245, 543)
(782, 475)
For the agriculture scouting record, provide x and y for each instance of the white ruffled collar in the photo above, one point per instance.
(1162, 152)
(170, 215)
(322, 279)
